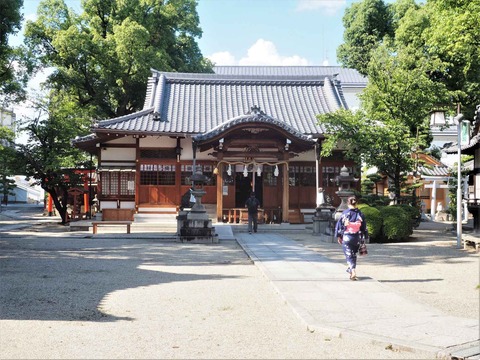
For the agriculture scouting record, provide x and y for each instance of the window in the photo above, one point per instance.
(117, 183)
(157, 174)
(269, 179)
(207, 170)
(301, 175)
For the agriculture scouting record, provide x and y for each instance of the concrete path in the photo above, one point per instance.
(321, 294)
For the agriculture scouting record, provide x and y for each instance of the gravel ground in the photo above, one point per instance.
(70, 297)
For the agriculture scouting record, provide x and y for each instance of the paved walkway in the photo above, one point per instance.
(320, 292)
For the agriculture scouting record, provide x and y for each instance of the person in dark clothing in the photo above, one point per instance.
(187, 200)
(350, 231)
(252, 205)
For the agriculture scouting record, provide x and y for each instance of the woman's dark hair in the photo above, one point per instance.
(352, 200)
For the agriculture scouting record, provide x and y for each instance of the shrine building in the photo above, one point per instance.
(247, 128)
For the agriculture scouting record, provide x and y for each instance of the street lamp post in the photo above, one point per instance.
(458, 119)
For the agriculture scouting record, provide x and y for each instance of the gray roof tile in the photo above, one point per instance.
(181, 103)
(346, 76)
(438, 170)
(474, 141)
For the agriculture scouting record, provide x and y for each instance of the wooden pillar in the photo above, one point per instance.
(220, 193)
(285, 195)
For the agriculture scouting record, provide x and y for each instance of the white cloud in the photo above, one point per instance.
(29, 17)
(263, 52)
(222, 58)
(331, 7)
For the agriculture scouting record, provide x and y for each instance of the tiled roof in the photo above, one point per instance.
(348, 77)
(474, 141)
(254, 116)
(191, 104)
(438, 170)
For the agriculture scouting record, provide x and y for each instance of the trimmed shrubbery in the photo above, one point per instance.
(413, 212)
(397, 224)
(389, 223)
(374, 221)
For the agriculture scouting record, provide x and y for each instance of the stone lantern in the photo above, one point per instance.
(323, 219)
(195, 225)
(345, 182)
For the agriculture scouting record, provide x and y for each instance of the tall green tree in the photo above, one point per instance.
(104, 56)
(448, 33)
(9, 164)
(392, 120)
(416, 56)
(101, 60)
(367, 24)
(48, 155)
(12, 76)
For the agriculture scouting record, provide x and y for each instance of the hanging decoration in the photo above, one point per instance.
(252, 164)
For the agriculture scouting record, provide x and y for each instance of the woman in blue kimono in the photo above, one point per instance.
(351, 231)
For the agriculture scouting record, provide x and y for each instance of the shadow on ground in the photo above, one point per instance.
(66, 279)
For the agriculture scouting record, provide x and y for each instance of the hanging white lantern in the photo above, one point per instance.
(229, 170)
(275, 172)
(245, 171)
(259, 170)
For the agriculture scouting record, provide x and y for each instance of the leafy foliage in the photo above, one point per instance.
(407, 77)
(9, 164)
(374, 221)
(13, 77)
(103, 57)
(101, 60)
(393, 118)
(449, 38)
(366, 24)
(397, 223)
(413, 212)
(48, 155)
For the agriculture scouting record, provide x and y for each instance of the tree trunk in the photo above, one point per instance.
(60, 205)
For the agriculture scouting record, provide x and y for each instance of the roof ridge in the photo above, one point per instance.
(123, 117)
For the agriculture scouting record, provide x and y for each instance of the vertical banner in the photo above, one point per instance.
(465, 133)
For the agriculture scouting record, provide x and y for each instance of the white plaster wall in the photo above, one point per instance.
(158, 141)
(127, 154)
(351, 97)
(113, 204)
(305, 156)
(124, 140)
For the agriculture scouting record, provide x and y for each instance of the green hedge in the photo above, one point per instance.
(413, 212)
(374, 221)
(389, 223)
(397, 223)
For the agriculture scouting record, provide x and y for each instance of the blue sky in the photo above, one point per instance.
(262, 32)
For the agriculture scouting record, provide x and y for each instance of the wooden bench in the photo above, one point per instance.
(97, 223)
(118, 214)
